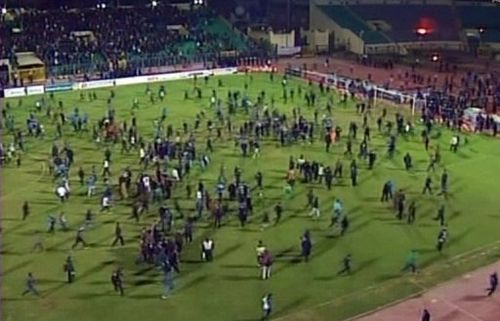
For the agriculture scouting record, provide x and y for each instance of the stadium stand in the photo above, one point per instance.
(89, 40)
(404, 20)
(486, 18)
(346, 18)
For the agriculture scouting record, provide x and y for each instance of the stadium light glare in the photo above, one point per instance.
(154, 3)
(198, 2)
(422, 31)
(4, 10)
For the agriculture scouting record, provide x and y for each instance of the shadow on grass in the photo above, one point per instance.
(144, 282)
(281, 312)
(386, 277)
(193, 282)
(239, 266)
(144, 296)
(229, 250)
(93, 295)
(363, 265)
(240, 277)
(16, 267)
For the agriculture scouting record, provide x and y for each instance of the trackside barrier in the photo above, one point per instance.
(106, 83)
(15, 92)
(152, 78)
(59, 87)
(35, 90)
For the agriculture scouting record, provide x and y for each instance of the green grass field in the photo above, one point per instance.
(230, 288)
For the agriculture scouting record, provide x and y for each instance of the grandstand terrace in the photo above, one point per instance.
(402, 21)
(122, 39)
(376, 26)
(482, 17)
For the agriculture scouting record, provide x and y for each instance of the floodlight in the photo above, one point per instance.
(4, 10)
(422, 31)
(154, 3)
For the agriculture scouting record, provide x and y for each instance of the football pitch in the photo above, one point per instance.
(229, 288)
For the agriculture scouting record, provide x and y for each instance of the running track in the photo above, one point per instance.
(462, 299)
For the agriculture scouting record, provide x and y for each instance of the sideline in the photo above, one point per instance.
(463, 257)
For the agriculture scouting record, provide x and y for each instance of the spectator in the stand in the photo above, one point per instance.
(116, 41)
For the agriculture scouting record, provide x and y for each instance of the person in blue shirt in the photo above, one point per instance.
(91, 182)
(444, 183)
(31, 285)
(354, 173)
(493, 284)
(387, 191)
(306, 245)
(168, 279)
(426, 316)
(338, 208)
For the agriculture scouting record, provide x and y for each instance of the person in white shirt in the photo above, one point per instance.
(267, 306)
(175, 174)
(321, 173)
(207, 247)
(66, 186)
(454, 144)
(301, 161)
(146, 183)
(105, 203)
(205, 161)
(142, 155)
(62, 193)
(105, 168)
(259, 250)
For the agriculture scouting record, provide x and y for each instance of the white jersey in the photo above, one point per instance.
(66, 186)
(208, 245)
(146, 181)
(265, 303)
(260, 250)
(61, 191)
(106, 202)
(175, 174)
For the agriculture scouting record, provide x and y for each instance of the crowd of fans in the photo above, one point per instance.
(111, 36)
(471, 90)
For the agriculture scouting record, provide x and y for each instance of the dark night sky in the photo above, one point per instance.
(88, 3)
(72, 3)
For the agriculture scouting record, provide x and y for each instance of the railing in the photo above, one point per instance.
(135, 65)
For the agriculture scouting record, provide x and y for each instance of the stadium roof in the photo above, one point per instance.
(51, 4)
